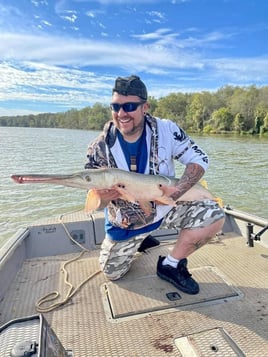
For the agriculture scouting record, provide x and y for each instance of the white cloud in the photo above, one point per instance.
(90, 14)
(124, 2)
(54, 69)
(84, 52)
(241, 70)
(157, 14)
(18, 111)
(156, 35)
(39, 2)
(71, 18)
(161, 53)
(46, 23)
(39, 83)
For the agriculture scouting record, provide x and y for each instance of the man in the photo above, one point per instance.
(136, 141)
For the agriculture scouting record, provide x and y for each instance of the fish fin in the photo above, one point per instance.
(219, 201)
(168, 190)
(204, 183)
(125, 195)
(165, 200)
(146, 207)
(93, 200)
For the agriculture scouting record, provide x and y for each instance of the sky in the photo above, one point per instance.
(57, 55)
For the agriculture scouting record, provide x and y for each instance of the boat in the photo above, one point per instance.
(54, 300)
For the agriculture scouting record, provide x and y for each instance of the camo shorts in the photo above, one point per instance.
(194, 214)
(116, 257)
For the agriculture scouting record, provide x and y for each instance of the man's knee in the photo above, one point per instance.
(115, 272)
(116, 257)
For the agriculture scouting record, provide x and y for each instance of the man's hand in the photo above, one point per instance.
(97, 199)
(108, 194)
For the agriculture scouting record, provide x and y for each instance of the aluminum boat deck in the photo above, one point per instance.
(141, 315)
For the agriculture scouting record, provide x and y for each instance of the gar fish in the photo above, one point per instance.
(132, 186)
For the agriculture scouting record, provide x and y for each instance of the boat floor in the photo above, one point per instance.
(135, 317)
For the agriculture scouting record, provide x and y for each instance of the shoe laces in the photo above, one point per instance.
(184, 271)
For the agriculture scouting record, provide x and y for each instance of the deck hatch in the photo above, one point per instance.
(209, 343)
(128, 298)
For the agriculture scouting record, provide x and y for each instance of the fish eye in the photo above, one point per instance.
(87, 178)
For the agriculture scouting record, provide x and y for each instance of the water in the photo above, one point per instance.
(237, 173)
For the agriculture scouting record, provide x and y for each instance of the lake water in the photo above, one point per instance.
(237, 173)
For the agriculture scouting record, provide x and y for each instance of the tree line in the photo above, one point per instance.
(229, 109)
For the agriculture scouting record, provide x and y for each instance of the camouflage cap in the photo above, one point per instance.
(130, 86)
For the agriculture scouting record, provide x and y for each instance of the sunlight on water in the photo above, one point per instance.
(237, 173)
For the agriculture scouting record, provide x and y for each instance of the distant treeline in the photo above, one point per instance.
(229, 109)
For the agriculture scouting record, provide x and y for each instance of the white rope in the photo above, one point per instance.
(54, 295)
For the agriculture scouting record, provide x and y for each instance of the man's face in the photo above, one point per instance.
(130, 123)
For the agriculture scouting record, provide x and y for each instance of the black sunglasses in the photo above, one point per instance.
(127, 107)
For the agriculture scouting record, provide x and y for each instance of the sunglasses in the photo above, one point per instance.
(127, 107)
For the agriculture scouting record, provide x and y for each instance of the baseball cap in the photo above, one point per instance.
(130, 86)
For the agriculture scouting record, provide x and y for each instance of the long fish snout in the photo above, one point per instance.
(17, 178)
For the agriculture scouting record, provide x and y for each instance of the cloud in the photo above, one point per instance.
(124, 2)
(38, 3)
(159, 34)
(71, 18)
(241, 70)
(66, 71)
(46, 23)
(83, 52)
(46, 83)
(7, 112)
(90, 14)
(156, 16)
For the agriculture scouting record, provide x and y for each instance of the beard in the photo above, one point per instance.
(127, 126)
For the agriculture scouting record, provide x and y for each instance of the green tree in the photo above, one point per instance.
(98, 115)
(239, 122)
(153, 103)
(264, 128)
(258, 124)
(222, 119)
(196, 113)
(224, 95)
(172, 107)
(244, 101)
(199, 112)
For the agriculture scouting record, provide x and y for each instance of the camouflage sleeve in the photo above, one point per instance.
(96, 154)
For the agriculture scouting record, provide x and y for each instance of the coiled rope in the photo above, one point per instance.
(54, 295)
